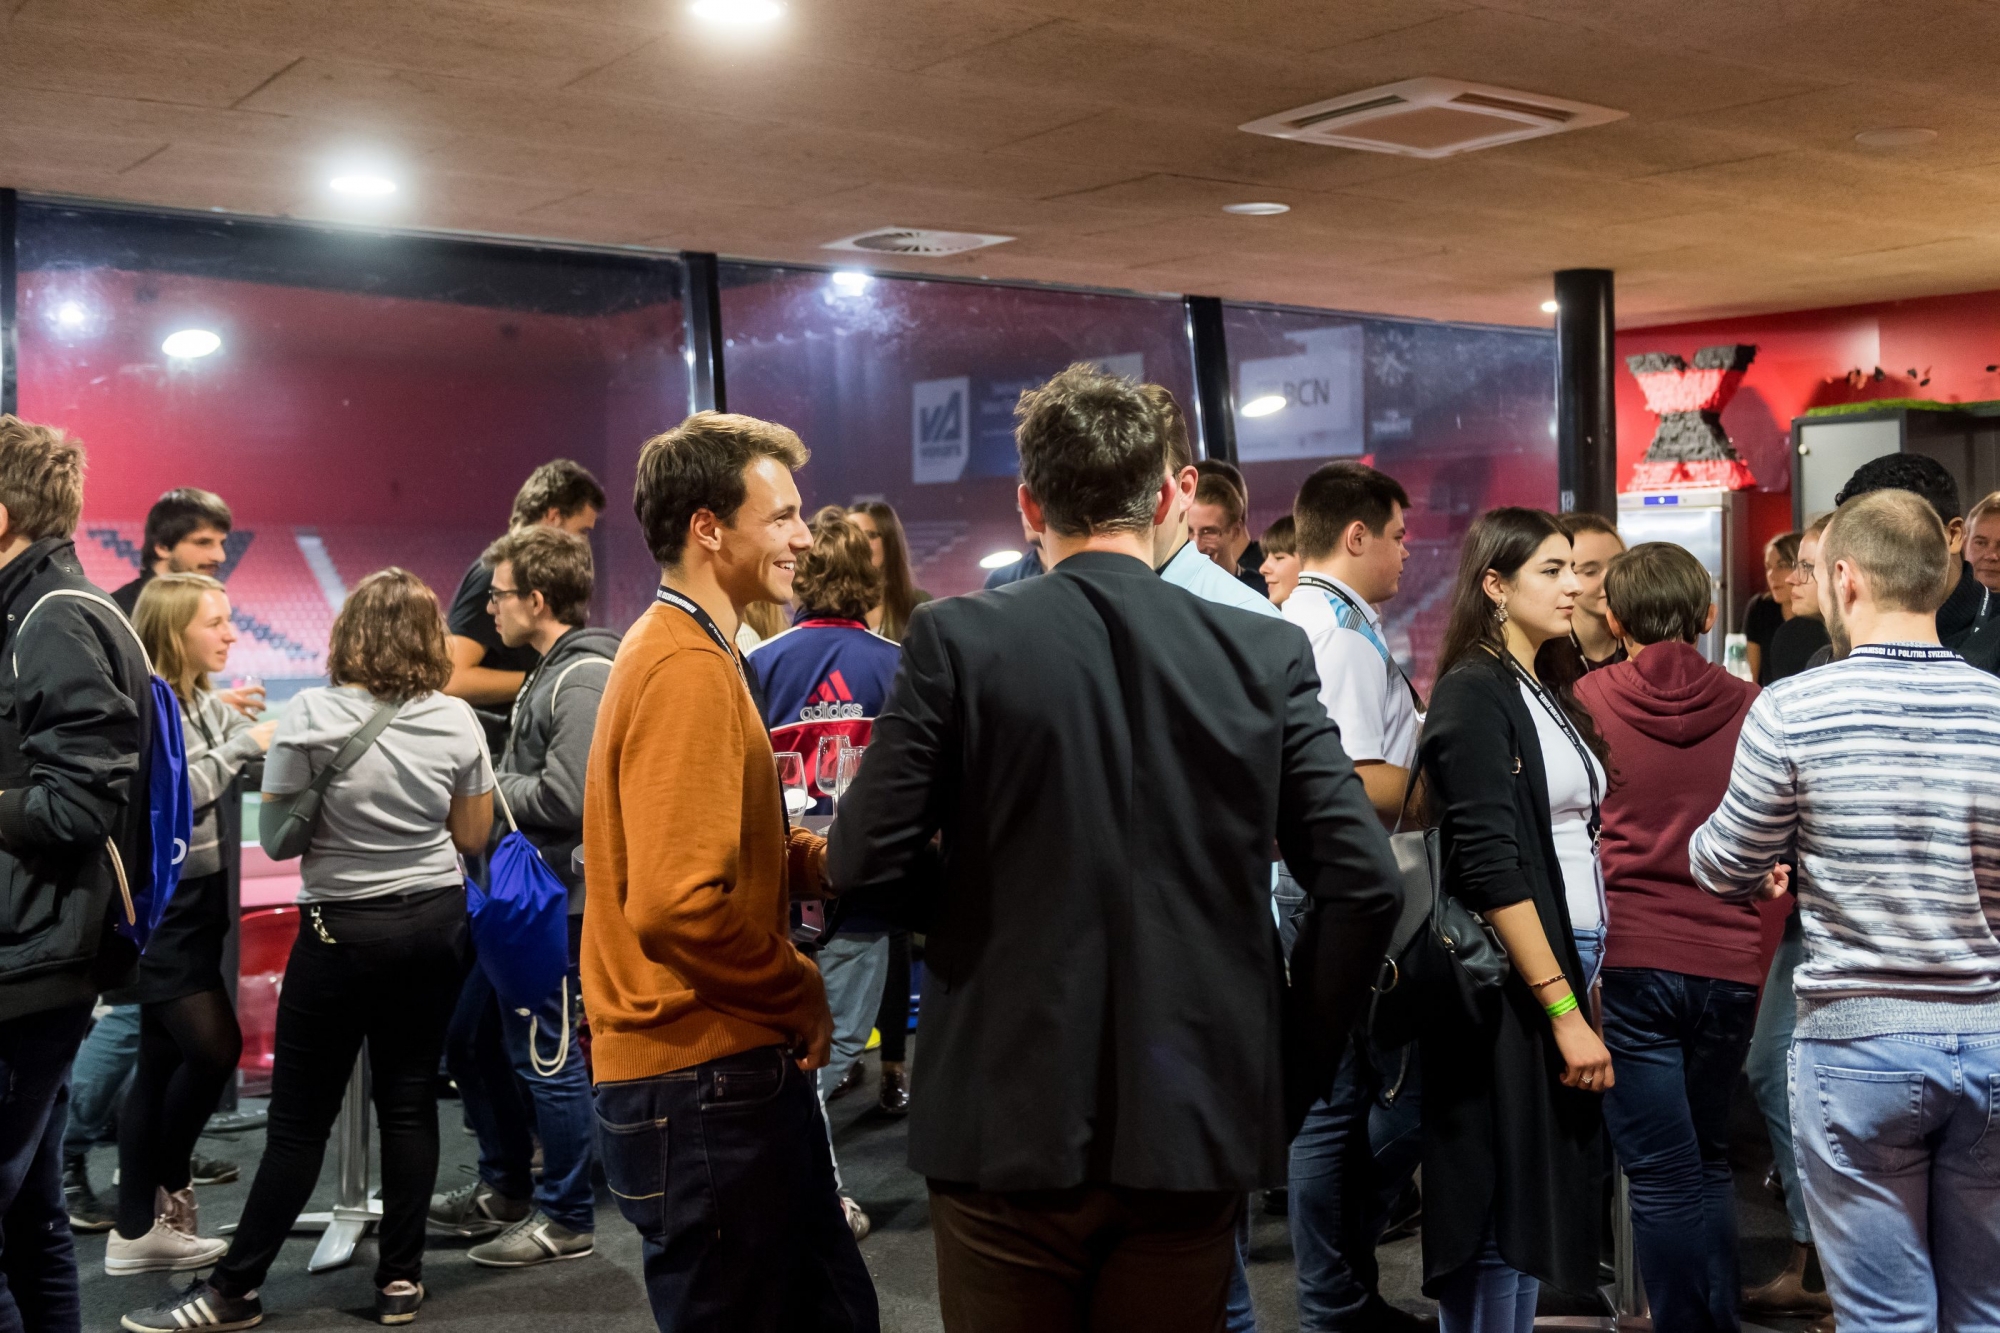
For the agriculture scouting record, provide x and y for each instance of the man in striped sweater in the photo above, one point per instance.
(1882, 770)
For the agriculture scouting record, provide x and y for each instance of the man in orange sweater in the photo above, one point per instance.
(704, 1017)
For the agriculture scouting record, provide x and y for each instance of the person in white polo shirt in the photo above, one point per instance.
(1359, 1145)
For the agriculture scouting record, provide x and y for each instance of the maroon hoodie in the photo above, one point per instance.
(1671, 719)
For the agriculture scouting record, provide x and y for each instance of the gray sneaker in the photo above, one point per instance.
(476, 1210)
(535, 1239)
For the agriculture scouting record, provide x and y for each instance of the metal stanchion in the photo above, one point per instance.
(354, 1208)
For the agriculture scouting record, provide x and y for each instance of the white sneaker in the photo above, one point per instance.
(164, 1249)
(857, 1221)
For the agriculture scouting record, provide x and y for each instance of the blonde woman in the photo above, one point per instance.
(188, 1039)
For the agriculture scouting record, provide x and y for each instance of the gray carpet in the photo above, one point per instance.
(604, 1293)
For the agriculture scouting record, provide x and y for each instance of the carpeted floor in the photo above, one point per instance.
(603, 1293)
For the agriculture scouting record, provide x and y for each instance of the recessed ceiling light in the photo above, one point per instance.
(190, 343)
(852, 282)
(1264, 405)
(1895, 137)
(70, 315)
(998, 559)
(737, 13)
(1256, 210)
(362, 185)
(1550, 307)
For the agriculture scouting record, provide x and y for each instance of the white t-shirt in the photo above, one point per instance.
(1569, 814)
(382, 826)
(1363, 691)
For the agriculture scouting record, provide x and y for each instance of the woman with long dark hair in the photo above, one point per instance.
(1514, 769)
(900, 593)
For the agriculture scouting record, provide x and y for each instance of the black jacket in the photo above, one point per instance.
(1515, 1146)
(76, 725)
(1109, 760)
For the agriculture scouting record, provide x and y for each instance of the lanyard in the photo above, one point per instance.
(701, 618)
(1568, 729)
(1366, 629)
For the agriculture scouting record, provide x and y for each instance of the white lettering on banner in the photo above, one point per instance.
(1321, 386)
(940, 434)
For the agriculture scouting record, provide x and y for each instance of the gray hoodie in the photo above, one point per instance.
(548, 748)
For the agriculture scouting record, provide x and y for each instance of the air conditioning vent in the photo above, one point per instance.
(1431, 118)
(916, 241)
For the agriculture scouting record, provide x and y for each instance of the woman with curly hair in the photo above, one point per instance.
(382, 938)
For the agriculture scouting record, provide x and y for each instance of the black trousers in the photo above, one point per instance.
(388, 975)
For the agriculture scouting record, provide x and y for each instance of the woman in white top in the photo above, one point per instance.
(382, 940)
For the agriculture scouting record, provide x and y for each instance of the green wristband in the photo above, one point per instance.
(1561, 1007)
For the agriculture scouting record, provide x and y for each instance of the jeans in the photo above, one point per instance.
(1899, 1145)
(723, 1169)
(1676, 1042)
(388, 977)
(853, 968)
(1239, 1315)
(97, 1082)
(38, 1285)
(1770, 1048)
(1488, 1296)
(488, 1048)
(1589, 948)
(1350, 1160)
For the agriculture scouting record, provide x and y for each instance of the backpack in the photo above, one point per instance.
(170, 801)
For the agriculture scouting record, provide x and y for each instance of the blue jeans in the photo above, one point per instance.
(1589, 948)
(723, 1169)
(1770, 1049)
(853, 968)
(38, 1285)
(1676, 1042)
(1350, 1160)
(98, 1080)
(1488, 1296)
(1899, 1145)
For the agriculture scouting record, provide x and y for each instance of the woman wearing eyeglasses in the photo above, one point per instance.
(1794, 642)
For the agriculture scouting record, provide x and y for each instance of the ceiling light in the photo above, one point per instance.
(852, 282)
(1264, 405)
(70, 315)
(737, 13)
(1894, 137)
(998, 559)
(1550, 307)
(191, 343)
(362, 185)
(1260, 210)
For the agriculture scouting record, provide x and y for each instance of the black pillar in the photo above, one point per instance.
(1214, 399)
(706, 391)
(1586, 405)
(10, 343)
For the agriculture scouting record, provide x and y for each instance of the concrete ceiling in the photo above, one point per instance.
(1100, 132)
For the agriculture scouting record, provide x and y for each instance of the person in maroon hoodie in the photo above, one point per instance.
(1681, 967)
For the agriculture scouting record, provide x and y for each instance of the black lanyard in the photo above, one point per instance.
(701, 617)
(1568, 729)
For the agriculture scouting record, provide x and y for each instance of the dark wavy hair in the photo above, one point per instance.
(837, 576)
(389, 638)
(899, 586)
(1503, 540)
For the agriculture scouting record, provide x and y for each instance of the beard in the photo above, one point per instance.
(1836, 630)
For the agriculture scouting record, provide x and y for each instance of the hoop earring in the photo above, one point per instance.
(1499, 613)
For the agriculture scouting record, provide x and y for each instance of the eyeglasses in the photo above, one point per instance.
(1802, 572)
(495, 594)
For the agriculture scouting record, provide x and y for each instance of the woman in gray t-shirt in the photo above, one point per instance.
(382, 937)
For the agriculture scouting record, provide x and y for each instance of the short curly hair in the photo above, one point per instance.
(838, 577)
(1920, 474)
(389, 638)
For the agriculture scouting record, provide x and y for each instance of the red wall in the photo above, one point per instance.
(1804, 359)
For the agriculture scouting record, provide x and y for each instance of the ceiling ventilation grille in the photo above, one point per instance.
(916, 241)
(1431, 118)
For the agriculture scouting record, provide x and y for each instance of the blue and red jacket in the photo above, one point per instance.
(823, 676)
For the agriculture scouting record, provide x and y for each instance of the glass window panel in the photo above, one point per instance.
(904, 389)
(368, 400)
(1463, 417)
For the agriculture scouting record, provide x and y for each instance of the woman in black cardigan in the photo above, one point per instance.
(1511, 1113)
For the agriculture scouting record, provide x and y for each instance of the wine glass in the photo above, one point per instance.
(792, 776)
(849, 768)
(826, 764)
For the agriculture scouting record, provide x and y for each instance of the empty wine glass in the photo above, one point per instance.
(849, 768)
(826, 764)
(792, 776)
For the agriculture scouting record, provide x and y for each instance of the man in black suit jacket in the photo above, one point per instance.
(1109, 760)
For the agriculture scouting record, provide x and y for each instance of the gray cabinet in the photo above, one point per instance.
(1826, 450)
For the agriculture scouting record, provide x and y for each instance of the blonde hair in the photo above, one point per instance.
(1988, 505)
(168, 604)
(41, 479)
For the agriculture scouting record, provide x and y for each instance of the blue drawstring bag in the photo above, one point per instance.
(520, 927)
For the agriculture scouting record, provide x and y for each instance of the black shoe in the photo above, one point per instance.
(200, 1306)
(1378, 1316)
(849, 1082)
(87, 1212)
(895, 1098)
(1277, 1203)
(236, 1122)
(1406, 1217)
(397, 1303)
(211, 1171)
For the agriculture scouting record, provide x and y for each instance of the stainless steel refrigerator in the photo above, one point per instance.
(1715, 526)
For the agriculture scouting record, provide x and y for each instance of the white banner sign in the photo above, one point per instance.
(1321, 388)
(940, 429)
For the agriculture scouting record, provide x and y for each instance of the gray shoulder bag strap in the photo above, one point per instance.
(288, 822)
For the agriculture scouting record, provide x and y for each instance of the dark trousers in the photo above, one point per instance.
(388, 978)
(1087, 1260)
(1676, 1043)
(724, 1169)
(38, 1287)
(892, 1019)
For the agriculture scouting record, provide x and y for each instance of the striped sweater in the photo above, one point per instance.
(1882, 771)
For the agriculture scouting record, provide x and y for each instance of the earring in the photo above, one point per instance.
(1499, 613)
